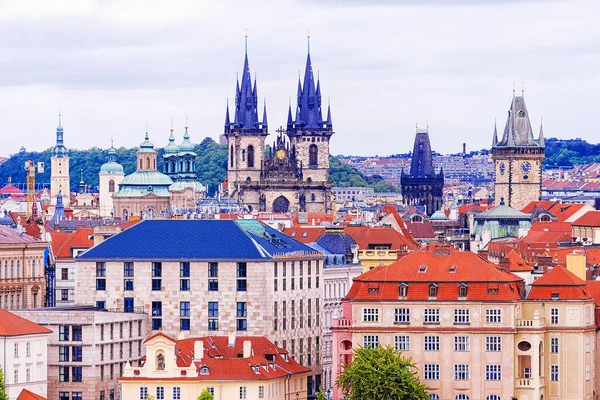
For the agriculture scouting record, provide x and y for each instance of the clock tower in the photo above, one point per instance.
(518, 158)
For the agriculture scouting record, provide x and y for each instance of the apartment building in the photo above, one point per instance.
(88, 349)
(472, 330)
(212, 277)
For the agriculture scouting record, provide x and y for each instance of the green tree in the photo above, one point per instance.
(3, 395)
(381, 373)
(205, 395)
(321, 395)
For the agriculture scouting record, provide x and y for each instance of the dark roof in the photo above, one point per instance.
(336, 242)
(197, 240)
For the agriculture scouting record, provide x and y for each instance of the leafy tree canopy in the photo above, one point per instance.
(205, 395)
(3, 395)
(381, 373)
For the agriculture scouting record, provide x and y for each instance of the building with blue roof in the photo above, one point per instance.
(211, 277)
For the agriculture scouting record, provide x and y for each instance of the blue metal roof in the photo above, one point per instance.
(165, 240)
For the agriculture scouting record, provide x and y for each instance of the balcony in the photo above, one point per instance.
(529, 383)
(342, 322)
(530, 323)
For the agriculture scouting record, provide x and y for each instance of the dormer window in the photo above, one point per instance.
(423, 268)
(462, 291)
(554, 296)
(204, 370)
(452, 268)
(402, 290)
(433, 291)
(416, 218)
(256, 369)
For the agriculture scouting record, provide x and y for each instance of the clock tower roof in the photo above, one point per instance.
(518, 131)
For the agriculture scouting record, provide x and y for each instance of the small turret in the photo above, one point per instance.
(495, 138)
(541, 141)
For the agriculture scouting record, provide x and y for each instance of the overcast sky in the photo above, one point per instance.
(115, 66)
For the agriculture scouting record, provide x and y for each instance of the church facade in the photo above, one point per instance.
(518, 158)
(422, 186)
(292, 175)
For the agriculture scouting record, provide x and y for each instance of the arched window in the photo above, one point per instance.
(250, 156)
(313, 158)
(125, 214)
(111, 186)
(462, 290)
(231, 156)
(188, 166)
(434, 396)
(433, 290)
(493, 397)
(417, 218)
(521, 113)
(204, 370)
(141, 166)
(402, 290)
(461, 397)
(154, 163)
(33, 268)
(545, 218)
(147, 162)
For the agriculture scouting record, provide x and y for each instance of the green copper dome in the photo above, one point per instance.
(171, 148)
(146, 146)
(186, 146)
(111, 167)
(141, 183)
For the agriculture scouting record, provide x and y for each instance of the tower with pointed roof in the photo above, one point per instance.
(423, 186)
(111, 175)
(59, 169)
(518, 158)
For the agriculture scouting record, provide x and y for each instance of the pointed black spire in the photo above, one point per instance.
(541, 141)
(227, 121)
(329, 124)
(495, 138)
(264, 121)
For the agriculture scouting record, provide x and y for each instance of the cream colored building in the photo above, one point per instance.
(111, 175)
(88, 349)
(59, 169)
(212, 277)
(23, 355)
(249, 368)
(471, 330)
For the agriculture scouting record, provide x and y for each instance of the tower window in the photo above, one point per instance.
(231, 156)
(313, 156)
(147, 162)
(111, 186)
(250, 156)
(521, 113)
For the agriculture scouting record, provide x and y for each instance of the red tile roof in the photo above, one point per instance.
(304, 234)
(544, 204)
(446, 267)
(421, 230)
(12, 191)
(517, 264)
(559, 281)
(13, 325)
(79, 239)
(565, 211)
(371, 237)
(27, 395)
(590, 218)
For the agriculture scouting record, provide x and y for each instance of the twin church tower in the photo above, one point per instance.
(292, 174)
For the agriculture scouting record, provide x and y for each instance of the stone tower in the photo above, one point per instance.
(111, 175)
(423, 186)
(518, 158)
(59, 169)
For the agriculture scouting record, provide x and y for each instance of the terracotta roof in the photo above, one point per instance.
(371, 237)
(13, 325)
(517, 264)
(544, 204)
(27, 395)
(160, 334)
(591, 218)
(79, 239)
(420, 230)
(565, 211)
(559, 281)
(10, 236)
(553, 226)
(392, 210)
(447, 268)
(304, 234)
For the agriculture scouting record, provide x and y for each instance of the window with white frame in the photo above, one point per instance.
(493, 316)
(370, 314)
(160, 393)
(462, 343)
(554, 315)
(402, 316)
(461, 316)
(434, 396)
(527, 373)
(432, 316)
(432, 343)
(554, 373)
(431, 372)
(461, 372)
(493, 372)
(588, 344)
(493, 397)
(370, 341)
(176, 393)
(402, 342)
(587, 372)
(143, 393)
(243, 392)
(461, 397)
(261, 392)
(493, 343)
(554, 345)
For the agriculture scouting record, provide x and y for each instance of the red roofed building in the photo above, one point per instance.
(11, 191)
(23, 355)
(27, 395)
(470, 327)
(587, 228)
(248, 367)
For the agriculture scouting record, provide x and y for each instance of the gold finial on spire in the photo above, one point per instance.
(308, 38)
(513, 88)
(522, 88)
(186, 122)
(246, 37)
(172, 129)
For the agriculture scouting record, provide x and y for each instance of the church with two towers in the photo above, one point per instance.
(292, 174)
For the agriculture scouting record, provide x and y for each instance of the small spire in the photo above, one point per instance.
(59, 117)
(290, 121)
(186, 122)
(329, 115)
(172, 129)
(227, 120)
(513, 89)
(246, 37)
(264, 122)
(541, 141)
(308, 40)
(112, 142)
(495, 138)
(522, 88)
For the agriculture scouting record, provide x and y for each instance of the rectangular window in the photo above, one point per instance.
(213, 324)
(261, 392)
(157, 284)
(213, 270)
(128, 284)
(64, 396)
(554, 373)
(16, 349)
(128, 269)
(64, 294)
(100, 270)
(28, 375)
(432, 343)
(101, 284)
(493, 316)
(461, 316)
(77, 333)
(242, 312)
(402, 316)
(184, 269)
(63, 354)
(275, 270)
(432, 316)
(462, 343)
(184, 285)
(176, 393)
(128, 304)
(588, 345)
(431, 372)
(160, 393)
(101, 305)
(157, 308)
(77, 353)
(243, 393)
(63, 333)
(184, 309)
(493, 343)
(370, 341)
(241, 274)
(213, 309)
(156, 275)
(213, 285)
(370, 315)
(143, 393)
(77, 375)
(554, 345)
(28, 349)
(554, 316)
(493, 372)
(402, 343)
(63, 374)
(76, 395)
(461, 372)
(587, 372)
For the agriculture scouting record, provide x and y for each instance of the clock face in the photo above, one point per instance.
(526, 167)
(502, 168)
(280, 154)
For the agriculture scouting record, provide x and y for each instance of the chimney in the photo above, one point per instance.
(504, 264)
(544, 262)
(247, 349)
(576, 264)
(198, 349)
(231, 338)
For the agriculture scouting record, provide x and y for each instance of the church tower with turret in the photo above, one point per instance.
(518, 158)
(59, 169)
